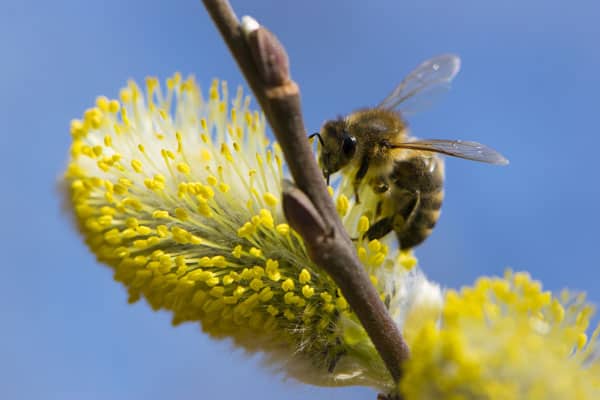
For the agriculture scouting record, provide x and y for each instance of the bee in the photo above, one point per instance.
(373, 146)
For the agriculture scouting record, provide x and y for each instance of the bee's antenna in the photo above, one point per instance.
(318, 136)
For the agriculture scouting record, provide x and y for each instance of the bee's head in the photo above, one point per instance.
(337, 146)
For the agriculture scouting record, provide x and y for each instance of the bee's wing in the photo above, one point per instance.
(422, 83)
(457, 148)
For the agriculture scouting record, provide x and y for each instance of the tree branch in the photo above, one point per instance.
(308, 207)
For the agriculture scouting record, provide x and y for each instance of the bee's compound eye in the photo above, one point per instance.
(349, 145)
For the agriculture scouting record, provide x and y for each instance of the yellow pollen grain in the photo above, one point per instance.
(159, 214)
(205, 191)
(102, 103)
(113, 106)
(167, 154)
(226, 152)
(162, 230)
(363, 225)
(228, 280)
(377, 259)
(266, 218)
(328, 308)
(283, 229)
(341, 303)
(140, 244)
(255, 252)
(247, 274)
(270, 199)
(304, 276)
(126, 95)
(308, 291)
(77, 129)
(407, 260)
(105, 210)
(143, 230)
(204, 262)
(217, 291)
(136, 165)
(203, 207)
(287, 285)
(266, 294)
(237, 251)
(132, 222)
(184, 168)
(258, 271)
(108, 141)
(218, 261)
(105, 220)
(290, 298)
(181, 214)
(256, 284)
(179, 142)
(342, 204)
(93, 117)
(223, 187)
(374, 245)
(212, 180)
(205, 155)
(272, 270)
(212, 281)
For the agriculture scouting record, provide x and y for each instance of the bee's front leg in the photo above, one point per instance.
(360, 174)
(356, 198)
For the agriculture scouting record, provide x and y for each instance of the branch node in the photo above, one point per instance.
(289, 89)
(302, 214)
(270, 57)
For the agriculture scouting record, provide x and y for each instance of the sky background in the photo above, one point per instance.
(529, 87)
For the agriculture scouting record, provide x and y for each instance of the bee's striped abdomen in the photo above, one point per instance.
(423, 179)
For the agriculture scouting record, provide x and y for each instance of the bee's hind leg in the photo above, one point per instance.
(380, 228)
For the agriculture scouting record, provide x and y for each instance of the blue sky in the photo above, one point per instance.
(528, 87)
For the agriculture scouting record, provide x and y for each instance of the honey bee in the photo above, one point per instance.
(373, 146)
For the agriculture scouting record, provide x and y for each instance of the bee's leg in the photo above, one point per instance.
(356, 193)
(380, 185)
(414, 207)
(378, 208)
(398, 222)
(380, 228)
(362, 171)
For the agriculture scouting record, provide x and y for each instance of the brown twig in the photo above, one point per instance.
(308, 206)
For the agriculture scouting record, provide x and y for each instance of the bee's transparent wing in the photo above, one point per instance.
(421, 85)
(457, 148)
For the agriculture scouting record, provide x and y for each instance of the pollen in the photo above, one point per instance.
(160, 214)
(184, 168)
(342, 205)
(270, 199)
(136, 165)
(283, 229)
(304, 276)
(363, 225)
